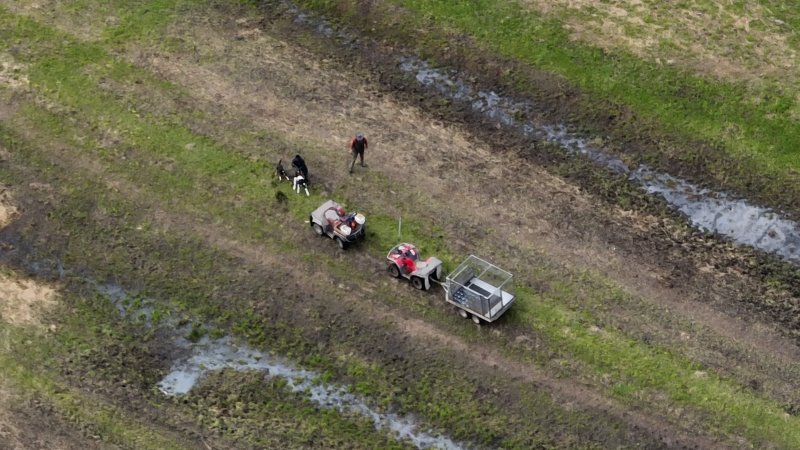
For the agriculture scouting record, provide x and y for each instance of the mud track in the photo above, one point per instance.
(535, 218)
(398, 331)
(685, 292)
(27, 424)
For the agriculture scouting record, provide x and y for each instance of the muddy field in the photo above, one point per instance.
(144, 233)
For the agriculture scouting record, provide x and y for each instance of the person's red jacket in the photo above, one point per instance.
(354, 143)
(407, 264)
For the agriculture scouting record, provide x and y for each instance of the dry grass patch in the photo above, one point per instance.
(7, 208)
(23, 302)
(76, 17)
(13, 75)
(710, 37)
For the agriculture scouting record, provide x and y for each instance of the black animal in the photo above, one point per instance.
(300, 167)
(281, 172)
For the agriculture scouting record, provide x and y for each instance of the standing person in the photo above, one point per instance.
(357, 147)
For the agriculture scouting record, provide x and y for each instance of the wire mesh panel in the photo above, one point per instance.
(480, 287)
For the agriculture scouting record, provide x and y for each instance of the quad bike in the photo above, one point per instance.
(332, 220)
(405, 262)
(477, 289)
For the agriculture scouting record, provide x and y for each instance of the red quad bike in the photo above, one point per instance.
(331, 220)
(404, 261)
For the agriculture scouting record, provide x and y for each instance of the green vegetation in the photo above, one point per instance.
(195, 175)
(431, 390)
(265, 413)
(26, 365)
(754, 127)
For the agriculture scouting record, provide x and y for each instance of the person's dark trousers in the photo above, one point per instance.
(359, 155)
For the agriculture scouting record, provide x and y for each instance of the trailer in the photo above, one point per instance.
(406, 262)
(479, 290)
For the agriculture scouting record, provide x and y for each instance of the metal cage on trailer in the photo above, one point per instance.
(479, 290)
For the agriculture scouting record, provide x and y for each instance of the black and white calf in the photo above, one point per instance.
(300, 182)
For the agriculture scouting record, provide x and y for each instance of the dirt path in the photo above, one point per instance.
(240, 71)
(530, 211)
(25, 425)
(363, 307)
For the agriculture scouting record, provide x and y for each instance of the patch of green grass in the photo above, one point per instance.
(265, 413)
(64, 80)
(196, 333)
(198, 289)
(640, 368)
(26, 375)
(665, 100)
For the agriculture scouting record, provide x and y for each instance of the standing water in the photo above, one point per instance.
(209, 354)
(705, 209)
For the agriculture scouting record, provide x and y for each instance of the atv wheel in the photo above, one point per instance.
(462, 313)
(418, 283)
(393, 270)
(434, 276)
(476, 320)
(318, 229)
(340, 243)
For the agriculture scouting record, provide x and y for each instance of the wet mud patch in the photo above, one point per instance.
(209, 355)
(220, 240)
(685, 255)
(30, 423)
(301, 306)
(196, 355)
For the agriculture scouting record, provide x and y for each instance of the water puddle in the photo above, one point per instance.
(207, 354)
(705, 209)
(214, 354)
(734, 218)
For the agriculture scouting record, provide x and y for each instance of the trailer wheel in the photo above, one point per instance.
(393, 270)
(462, 313)
(318, 229)
(476, 320)
(340, 242)
(418, 283)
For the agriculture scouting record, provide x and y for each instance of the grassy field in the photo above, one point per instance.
(715, 84)
(160, 192)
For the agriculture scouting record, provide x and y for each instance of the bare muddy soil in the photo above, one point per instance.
(527, 207)
(487, 193)
(27, 424)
